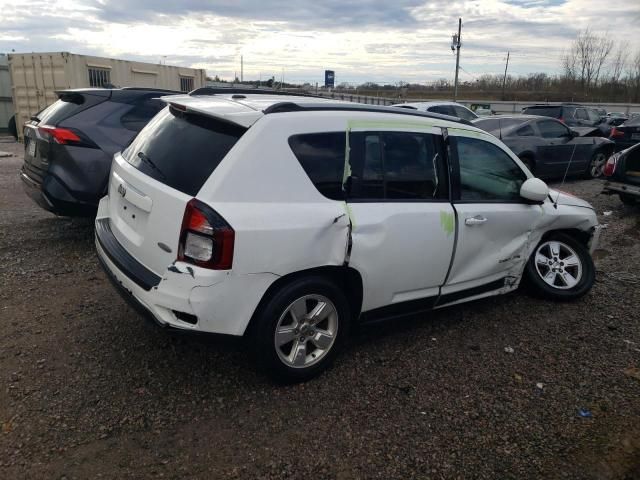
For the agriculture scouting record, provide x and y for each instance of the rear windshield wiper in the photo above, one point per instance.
(148, 161)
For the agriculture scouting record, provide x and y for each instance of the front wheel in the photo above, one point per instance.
(300, 329)
(560, 268)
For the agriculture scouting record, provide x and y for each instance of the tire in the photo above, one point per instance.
(529, 163)
(322, 342)
(596, 165)
(628, 199)
(555, 287)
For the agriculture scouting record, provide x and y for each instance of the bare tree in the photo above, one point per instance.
(619, 62)
(633, 78)
(586, 58)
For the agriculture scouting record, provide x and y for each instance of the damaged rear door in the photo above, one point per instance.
(402, 220)
(494, 223)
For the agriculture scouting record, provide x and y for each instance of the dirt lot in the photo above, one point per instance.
(90, 390)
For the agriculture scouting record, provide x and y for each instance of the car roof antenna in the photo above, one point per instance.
(500, 128)
(555, 204)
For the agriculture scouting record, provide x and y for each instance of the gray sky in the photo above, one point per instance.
(362, 40)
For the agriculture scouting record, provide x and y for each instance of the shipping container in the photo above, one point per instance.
(36, 77)
(6, 103)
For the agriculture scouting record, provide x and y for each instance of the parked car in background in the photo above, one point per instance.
(601, 111)
(548, 147)
(609, 122)
(451, 109)
(627, 134)
(623, 175)
(481, 109)
(569, 114)
(258, 223)
(70, 144)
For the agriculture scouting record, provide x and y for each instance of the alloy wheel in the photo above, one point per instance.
(306, 331)
(558, 265)
(597, 165)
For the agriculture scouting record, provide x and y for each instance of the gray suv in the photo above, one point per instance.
(570, 115)
(70, 144)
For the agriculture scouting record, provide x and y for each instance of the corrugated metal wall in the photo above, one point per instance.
(36, 77)
(6, 103)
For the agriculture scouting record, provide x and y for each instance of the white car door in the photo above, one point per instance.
(493, 222)
(402, 219)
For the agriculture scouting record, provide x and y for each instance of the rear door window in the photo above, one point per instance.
(396, 166)
(182, 150)
(551, 129)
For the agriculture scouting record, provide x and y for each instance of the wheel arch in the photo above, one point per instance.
(607, 148)
(581, 236)
(347, 278)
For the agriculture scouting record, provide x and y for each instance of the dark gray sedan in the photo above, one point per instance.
(548, 147)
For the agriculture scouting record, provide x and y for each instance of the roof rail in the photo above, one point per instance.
(245, 91)
(283, 107)
(151, 89)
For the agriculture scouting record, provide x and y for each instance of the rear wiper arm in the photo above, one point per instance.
(148, 161)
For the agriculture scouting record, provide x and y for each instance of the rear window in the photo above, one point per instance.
(322, 158)
(553, 112)
(67, 106)
(492, 125)
(182, 150)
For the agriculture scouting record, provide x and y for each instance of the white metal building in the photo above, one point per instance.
(36, 77)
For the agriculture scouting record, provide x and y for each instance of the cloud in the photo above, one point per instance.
(332, 14)
(363, 40)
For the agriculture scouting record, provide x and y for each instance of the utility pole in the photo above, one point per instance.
(241, 68)
(456, 43)
(504, 79)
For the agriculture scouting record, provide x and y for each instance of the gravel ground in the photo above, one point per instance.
(90, 390)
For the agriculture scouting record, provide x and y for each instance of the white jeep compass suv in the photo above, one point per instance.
(286, 218)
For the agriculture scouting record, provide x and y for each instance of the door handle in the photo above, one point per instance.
(477, 220)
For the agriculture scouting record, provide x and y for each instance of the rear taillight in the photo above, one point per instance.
(610, 166)
(62, 136)
(616, 133)
(206, 239)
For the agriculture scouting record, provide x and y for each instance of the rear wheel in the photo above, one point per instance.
(628, 199)
(300, 329)
(560, 268)
(596, 166)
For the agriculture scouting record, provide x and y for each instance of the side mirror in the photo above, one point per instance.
(534, 189)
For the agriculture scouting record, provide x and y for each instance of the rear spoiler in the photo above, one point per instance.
(242, 116)
(77, 96)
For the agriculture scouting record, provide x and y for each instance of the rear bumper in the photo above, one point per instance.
(619, 187)
(214, 301)
(54, 197)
